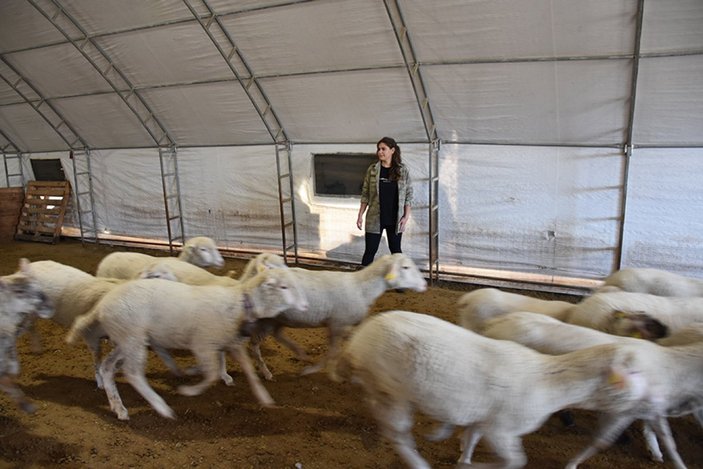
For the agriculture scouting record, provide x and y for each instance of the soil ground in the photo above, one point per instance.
(317, 424)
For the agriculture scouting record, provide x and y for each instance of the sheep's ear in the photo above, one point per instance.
(625, 376)
(392, 273)
(639, 325)
(648, 327)
(260, 268)
(270, 280)
(24, 265)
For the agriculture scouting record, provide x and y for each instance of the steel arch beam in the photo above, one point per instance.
(102, 63)
(239, 68)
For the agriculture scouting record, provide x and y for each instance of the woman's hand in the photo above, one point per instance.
(360, 221)
(401, 223)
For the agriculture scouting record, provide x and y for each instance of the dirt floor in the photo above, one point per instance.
(317, 423)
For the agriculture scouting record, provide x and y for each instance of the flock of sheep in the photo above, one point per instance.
(632, 350)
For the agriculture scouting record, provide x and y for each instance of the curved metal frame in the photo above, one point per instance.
(395, 15)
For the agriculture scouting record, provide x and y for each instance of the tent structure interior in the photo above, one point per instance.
(549, 141)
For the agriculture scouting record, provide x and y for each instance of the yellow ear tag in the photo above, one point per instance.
(616, 379)
(636, 335)
(619, 314)
(260, 268)
(390, 276)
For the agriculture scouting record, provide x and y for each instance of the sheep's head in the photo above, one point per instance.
(158, 270)
(22, 295)
(402, 273)
(624, 383)
(275, 291)
(636, 324)
(202, 251)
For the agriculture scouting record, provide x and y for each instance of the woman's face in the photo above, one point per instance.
(384, 153)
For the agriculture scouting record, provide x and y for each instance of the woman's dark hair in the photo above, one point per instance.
(396, 160)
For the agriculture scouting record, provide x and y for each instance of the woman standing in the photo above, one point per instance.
(388, 194)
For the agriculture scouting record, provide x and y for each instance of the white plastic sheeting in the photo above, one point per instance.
(532, 102)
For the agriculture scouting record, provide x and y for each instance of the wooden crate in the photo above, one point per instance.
(43, 210)
(11, 199)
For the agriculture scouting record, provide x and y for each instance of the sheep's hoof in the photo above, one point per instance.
(308, 370)
(567, 418)
(167, 412)
(228, 380)
(189, 390)
(442, 432)
(122, 414)
(28, 407)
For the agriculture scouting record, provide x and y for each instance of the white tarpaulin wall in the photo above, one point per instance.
(532, 102)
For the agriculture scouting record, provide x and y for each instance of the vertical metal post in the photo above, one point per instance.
(434, 211)
(168, 159)
(14, 175)
(83, 193)
(286, 200)
(629, 144)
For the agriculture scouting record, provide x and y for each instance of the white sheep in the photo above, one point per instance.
(338, 300)
(203, 319)
(22, 300)
(548, 335)
(194, 275)
(185, 272)
(74, 292)
(660, 315)
(653, 281)
(496, 389)
(478, 306)
(200, 251)
(261, 262)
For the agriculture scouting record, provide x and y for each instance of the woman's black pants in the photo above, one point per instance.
(374, 239)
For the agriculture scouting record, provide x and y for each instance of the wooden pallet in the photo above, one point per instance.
(42, 214)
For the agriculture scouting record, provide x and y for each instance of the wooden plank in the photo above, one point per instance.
(43, 211)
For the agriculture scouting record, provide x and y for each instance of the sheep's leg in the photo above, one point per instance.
(508, 448)
(661, 426)
(168, 360)
(395, 419)
(260, 363)
(608, 432)
(224, 376)
(93, 343)
(34, 338)
(698, 414)
(292, 345)
(441, 432)
(133, 370)
(652, 444)
(209, 364)
(239, 353)
(333, 351)
(107, 370)
(8, 385)
(469, 439)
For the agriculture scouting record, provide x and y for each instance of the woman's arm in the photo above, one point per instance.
(360, 217)
(404, 219)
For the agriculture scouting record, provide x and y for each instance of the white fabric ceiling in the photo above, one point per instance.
(513, 89)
